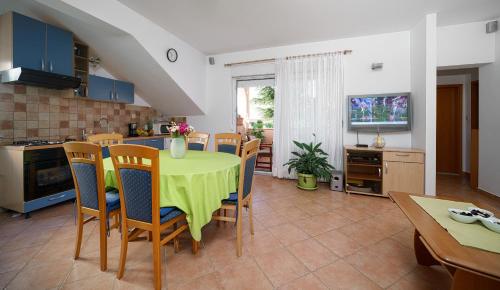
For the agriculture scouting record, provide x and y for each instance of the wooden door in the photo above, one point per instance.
(403, 177)
(449, 129)
(474, 142)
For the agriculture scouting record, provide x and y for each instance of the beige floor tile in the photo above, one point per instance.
(341, 275)
(281, 267)
(15, 260)
(362, 234)
(42, 276)
(307, 282)
(244, 275)
(288, 233)
(210, 281)
(99, 282)
(340, 244)
(6, 277)
(312, 254)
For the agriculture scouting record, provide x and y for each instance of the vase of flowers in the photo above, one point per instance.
(179, 132)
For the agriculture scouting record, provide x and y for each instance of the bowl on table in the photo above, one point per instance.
(462, 215)
(492, 223)
(476, 211)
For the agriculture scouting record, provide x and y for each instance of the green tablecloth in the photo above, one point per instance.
(195, 184)
(473, 235)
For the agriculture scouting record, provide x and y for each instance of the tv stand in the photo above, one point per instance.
(376, 171)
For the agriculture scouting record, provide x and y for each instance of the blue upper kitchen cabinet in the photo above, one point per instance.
(124, 92)
(59, 51)
(100, 88)
(40, 46)
(106, 89)
(28, 40)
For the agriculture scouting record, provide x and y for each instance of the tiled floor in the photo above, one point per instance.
(303, 240)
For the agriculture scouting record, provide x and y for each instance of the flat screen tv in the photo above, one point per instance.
(380, 112)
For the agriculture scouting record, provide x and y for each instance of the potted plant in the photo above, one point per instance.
(310, 164)
(257, 129)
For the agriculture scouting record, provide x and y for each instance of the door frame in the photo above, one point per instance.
(460, 127)
(474, 129)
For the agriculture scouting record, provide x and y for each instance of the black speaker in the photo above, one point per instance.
(211, 60)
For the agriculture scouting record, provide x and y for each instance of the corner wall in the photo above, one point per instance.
(423, 55)
(489, 120)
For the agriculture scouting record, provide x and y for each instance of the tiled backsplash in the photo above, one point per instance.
(39, 113)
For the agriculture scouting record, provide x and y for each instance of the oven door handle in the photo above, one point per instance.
(57, 197)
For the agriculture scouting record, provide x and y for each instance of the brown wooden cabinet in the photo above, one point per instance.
(375, 171)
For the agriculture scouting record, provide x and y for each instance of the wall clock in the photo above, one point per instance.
(172, 55)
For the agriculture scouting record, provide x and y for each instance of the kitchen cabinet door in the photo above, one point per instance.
(124, 92)
(158, 143)
(28, 42)
(403, 176)
(134, 142)
(59, 51)
(100, 88)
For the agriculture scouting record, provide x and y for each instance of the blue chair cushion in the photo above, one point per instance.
(233, 198)
(168, 213)
(112, 201)
(195, 146)
(227, 148)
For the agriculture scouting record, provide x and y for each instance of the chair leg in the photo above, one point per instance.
(194, 246)
(157, 259)
(150, 236)
(176, 240)
(79, 233)
(103, 243)
(218, 221)
(239, 234)
(250, 214)
(123, 250)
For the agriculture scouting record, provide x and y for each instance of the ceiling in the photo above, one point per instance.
(219, 26)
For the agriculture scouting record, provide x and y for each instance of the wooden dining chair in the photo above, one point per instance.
(85, 160)
(198, 141)
(228, 143)
(243, 197)
(105, 140)
(137, 170)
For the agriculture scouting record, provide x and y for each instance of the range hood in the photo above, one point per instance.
(31, 77)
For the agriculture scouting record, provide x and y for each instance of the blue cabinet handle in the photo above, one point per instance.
(43, 63)
(51, 67)
(57, 197)
(116, 96)
(111, 95)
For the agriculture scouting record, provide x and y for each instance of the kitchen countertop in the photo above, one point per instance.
(27, 148)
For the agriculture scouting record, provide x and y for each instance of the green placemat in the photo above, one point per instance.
(473, 235)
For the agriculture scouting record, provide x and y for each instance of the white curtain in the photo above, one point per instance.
(309, 98)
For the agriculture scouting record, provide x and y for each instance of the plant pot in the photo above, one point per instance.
(178, 148)
(306, 181)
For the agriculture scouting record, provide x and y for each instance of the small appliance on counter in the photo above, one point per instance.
(161, 128)
(132, 130)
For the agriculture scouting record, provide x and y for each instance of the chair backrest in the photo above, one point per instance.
(247, 167)
(85, 160)
(228, 143)
(137, 170)
(105, 140)
(198, 141)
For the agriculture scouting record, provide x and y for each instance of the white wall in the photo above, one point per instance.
(489, 124)
(465, 44)
(423, 83)
(392, 49)
(465, 81)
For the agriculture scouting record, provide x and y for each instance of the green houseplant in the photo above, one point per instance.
(310, 164)
(257, 129)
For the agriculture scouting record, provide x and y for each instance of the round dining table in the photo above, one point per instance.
(196, 184)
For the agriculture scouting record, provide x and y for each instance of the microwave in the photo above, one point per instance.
(161, 128)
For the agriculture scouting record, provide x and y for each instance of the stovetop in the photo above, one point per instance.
(30, 143)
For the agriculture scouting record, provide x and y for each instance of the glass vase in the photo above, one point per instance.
(178, 148)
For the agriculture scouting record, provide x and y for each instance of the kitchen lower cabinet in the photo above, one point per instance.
(158, 143)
